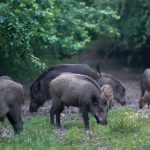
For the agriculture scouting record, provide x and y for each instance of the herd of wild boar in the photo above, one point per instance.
(68, 85)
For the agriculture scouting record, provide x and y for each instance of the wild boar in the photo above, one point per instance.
(107, 90)
(144, 84)
(80, 91)
(39, 88)
(118, 87)
(11, 99)
(145, 100)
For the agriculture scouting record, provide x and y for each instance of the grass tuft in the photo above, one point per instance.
(124, 121)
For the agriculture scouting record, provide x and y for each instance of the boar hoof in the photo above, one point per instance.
(58, 125)
(18, 128)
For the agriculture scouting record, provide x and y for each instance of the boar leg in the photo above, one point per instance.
(52, 113)
(140, 103)
(3, 111)
(97, 120)
(85, 117)
(110, 106)
(54, 109)
(142, 92)
(14, 117)
(61, 108)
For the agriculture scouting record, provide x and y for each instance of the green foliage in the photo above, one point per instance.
(132, 21)
(133, 25)
(134, 29)
(15, 47)
(14, 38)
(31, 29)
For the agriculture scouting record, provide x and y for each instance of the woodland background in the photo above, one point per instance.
(35, 34)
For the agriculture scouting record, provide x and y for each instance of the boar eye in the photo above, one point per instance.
(123, 90)
(100, 110)
(94, 100)
(105, 102)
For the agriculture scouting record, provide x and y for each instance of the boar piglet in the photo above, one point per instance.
(11, 99)
(80, 91)
(145, 100)
(145, 82)
(145, 86)
(118, 87)
(107, 90)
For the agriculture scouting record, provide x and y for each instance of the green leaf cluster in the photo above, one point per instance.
(31, 29)
(133, 25)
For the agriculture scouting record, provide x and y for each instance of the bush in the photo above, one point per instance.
(34, 29)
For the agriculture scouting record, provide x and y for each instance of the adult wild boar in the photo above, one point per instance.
(81, 91)
(118, 87)
(39, 88)
(145, 83)
(11, 99)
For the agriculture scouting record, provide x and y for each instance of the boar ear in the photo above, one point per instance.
(98, 69)
(94, 100)
(36, 86)
(104, 99)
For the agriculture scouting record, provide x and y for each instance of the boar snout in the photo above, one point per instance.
(18, 127)
(33, 107)
(103, 122)
(123, 103)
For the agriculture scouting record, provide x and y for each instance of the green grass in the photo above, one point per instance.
(126, 129)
